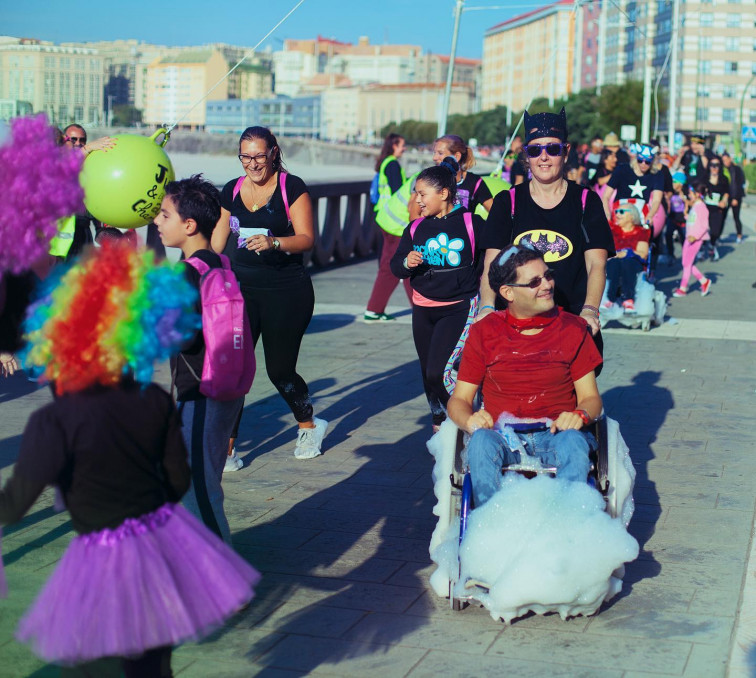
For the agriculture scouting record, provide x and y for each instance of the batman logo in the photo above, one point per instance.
(554, 246)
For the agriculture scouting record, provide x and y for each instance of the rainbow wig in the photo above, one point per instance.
(112, 313)
(40, 184)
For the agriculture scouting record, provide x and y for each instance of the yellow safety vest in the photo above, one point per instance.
(384, 190)
(394, 216)
(62, 242)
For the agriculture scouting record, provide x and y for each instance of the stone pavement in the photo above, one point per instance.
(342, 540)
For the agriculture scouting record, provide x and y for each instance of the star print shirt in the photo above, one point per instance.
(630, 185)
(562, 234)
(451, 266)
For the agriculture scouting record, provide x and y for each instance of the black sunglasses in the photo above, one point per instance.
(76, 140)
(553, 149)
(535, 282)
(714, 164)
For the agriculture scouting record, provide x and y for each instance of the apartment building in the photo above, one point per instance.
(66, 83)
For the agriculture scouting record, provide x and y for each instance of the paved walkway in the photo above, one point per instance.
(342, 540)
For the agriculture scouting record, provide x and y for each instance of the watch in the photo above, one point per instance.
(276, 244)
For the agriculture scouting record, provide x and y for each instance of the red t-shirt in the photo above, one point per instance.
(623, 239)
(529, 376)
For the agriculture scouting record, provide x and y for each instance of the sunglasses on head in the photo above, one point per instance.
(535, 282)
(76, 140)
(553, 149)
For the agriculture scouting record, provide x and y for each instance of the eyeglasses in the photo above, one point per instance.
(553, 149)
(535, 282)
(259, 159)
(714, 164)
(76, 140)
(621, 211)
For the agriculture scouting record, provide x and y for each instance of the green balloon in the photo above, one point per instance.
(124, 186)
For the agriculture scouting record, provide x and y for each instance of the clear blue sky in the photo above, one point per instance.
(427, 23)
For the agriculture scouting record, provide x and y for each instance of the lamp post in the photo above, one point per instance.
(739, 133)
(450, 72)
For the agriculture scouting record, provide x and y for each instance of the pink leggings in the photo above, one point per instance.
(690, 249)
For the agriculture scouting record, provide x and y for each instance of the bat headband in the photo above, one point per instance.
(542, 125)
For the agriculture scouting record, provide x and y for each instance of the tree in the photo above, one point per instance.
(125, 115)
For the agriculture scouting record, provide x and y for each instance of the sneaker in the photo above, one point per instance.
(606, 304)
(715, 254)
(233, 463)
(371, 317)
(679, 292)
(705, 287)
(309, 440)
(629, 306)
(739, 239)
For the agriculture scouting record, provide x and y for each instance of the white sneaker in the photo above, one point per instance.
(310, 439)
(233, 463)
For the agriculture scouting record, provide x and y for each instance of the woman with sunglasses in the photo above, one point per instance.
(607, 165)
(716, 199)
(631, 241)
(265, 228)
(438, 254)
(560, 219)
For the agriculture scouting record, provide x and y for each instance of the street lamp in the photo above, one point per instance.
(739, 133)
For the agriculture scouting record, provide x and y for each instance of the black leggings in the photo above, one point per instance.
(436, 330)
(716, 222)
(672, 226)
(735, 216)
(281, 316)
(155, 663)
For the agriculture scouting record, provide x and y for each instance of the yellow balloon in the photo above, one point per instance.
(124, 185)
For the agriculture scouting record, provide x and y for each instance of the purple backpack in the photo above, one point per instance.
(229, 366)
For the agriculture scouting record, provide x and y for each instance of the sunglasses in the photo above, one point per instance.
(259, 159)
(76, 140)
(645, 161)
(553, 149)
(714, 164)
(535, 282)
(621, 211)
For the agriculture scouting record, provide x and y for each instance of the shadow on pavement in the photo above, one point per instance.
(641, 410)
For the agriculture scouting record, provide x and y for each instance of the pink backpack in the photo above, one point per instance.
(467, 216)
(281, 179)
(229, 366)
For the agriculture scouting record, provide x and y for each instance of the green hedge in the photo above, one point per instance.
(750, 174)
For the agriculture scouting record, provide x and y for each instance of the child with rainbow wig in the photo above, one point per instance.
(134, 582)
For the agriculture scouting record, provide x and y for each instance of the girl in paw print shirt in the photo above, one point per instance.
(438, 253)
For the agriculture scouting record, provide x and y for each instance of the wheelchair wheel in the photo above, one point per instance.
(646, 325)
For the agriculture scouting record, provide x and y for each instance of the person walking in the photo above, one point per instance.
(472, 191)
(736, 193)
(716, 198)
(264, 229)
(390, 180)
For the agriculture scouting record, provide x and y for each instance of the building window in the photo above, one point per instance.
(704, 43)
(728, 115)
(728, 92)
(706, 19)
(731, 67)
(705, 66)
(732, 44)
(753, 67)
(752, 117)
(702, 91)
(702, 113)
(733, 21)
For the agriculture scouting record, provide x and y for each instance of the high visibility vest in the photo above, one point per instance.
(496, 185)
(384, 190)
(62, 242)
(394, 216)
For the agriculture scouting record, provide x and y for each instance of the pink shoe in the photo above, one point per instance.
(629, 306)
(705, 287)
(680, 292)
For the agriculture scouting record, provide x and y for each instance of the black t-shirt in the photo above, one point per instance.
(468, 196)
(271, 269)
(693, 166)
(591, 162)
(715, 192)
(192, 358)
(562, 234)
(116, 453)
(393, 174)
(451, 269)
(518, 169)
(630, 185)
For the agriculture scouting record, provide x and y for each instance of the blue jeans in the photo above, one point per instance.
(487, 452)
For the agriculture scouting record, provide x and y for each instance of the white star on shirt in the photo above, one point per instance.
(636, 189)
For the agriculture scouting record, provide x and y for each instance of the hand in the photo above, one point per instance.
(479, 419)
(414, 259)
(8, 364)
(592, 320)
(101, 144)
(260, 243)
(567, 421)
(691, 239)
(734, 202)
(722, 204)
(620, 255)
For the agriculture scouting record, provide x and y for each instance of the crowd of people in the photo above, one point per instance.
(507, 285)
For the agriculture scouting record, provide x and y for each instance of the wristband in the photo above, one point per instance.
(584, 416)
(404, 263)
(590, 308)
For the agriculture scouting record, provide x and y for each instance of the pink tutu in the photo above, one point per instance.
(160, 579)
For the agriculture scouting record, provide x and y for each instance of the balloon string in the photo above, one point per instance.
(239, 63)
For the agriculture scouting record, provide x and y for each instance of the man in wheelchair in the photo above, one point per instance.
(535, 363)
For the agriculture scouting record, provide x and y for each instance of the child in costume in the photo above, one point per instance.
(143, 575)
(438, 254)
(696, 233)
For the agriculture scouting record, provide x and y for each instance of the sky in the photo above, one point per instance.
(428, 23)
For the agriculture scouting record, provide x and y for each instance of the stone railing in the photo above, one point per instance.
(344, 223)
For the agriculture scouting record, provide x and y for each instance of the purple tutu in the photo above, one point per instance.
(160, 579)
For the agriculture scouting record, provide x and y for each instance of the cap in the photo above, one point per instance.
(679, 177)
(611, 140)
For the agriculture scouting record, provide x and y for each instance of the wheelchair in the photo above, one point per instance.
(611, 474)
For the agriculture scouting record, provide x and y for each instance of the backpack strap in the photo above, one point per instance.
(413, 227)
(512, 199)
(477, 185)
(238, 186)
(198, 265)
(583, 198)
(468, 217)
(282, 179)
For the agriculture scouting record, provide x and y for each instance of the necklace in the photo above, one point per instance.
(264, 199)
